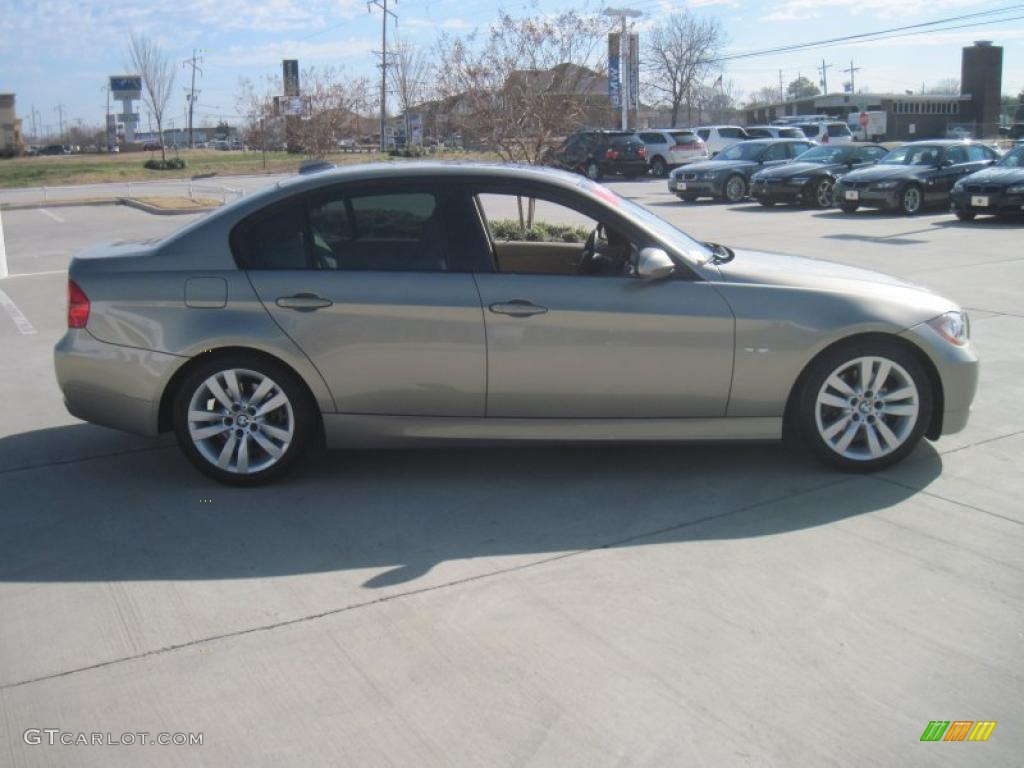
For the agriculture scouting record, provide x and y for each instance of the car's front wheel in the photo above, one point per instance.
(659, 167)
(735, 189)
(242, 420)
(823, 193)
(865, 405)
(593, 171)
(911, 200)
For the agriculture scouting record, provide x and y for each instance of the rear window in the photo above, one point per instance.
(625, 141)
(652, 138)
(790, 133)
(684, 137)
(838, 129)
(810, 130)
(759, 133)
(731, 133)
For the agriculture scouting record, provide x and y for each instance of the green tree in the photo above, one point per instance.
(801, 88)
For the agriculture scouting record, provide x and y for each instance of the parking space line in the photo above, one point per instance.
(51, 214)
(16, 315)
(36, 274)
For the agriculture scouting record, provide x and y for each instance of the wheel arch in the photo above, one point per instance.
(166, 408)
(934, 428)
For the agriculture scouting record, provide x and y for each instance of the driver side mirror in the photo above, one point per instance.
(654, 264)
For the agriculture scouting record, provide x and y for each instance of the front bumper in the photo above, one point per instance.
(779, 192)
(695, 187)
(986, 202)
(958, 374)
(114, 386)
(872, 198)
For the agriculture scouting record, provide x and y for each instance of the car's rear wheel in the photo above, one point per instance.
(659, 167)
(865, 405)
(966, 215)
(823, 193)
(242, 420)
(911, 200)
(735, 189)
(593, 170)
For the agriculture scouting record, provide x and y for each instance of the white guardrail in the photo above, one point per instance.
(193, 189)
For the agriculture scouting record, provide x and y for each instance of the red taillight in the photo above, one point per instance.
(611, 154)
(78, 306)
(642, 152)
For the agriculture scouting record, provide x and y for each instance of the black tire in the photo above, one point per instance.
(735, 188)
(659, 167)
(804, 408)
(823, 193)
(631, 176)
(911, 200)
(687, 197)
(767, 203)
(965, 215)
(592, 170)
(849, 207)
(303, 413)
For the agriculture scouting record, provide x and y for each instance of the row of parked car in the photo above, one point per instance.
(787, 165)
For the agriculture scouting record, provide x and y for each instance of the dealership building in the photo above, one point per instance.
(10, 125)
(974, 111)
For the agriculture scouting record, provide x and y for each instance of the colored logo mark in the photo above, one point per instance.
(958, 730)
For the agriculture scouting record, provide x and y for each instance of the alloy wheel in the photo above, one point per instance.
(240, 421)
(867, 408)
(735, 189)
(911, 200)
(823, 193)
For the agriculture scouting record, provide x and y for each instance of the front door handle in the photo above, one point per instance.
(517, 308)
(304, 302)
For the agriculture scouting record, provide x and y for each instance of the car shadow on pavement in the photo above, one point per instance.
(146, 514)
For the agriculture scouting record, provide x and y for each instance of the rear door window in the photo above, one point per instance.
(977, 153)
(652, 138)
(273, 239)
(837, 130)
(797, 148)
(731, 133)
(775, 152)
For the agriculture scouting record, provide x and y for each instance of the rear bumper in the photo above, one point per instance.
(114, 386)
(958, 373)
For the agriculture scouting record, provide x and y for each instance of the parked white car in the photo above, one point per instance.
(718, 137)
(668, 148)
(826, 131)
(774, 132)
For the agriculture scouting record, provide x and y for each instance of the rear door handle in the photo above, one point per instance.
(517, 308)
(304, 302)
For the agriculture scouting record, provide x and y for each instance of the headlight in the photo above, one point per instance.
(885, 184)
(958, 187)
(799, 180)
(1016, 189)
(954, 327)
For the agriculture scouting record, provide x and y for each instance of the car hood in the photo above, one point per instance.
(714, 165)
(882, 172)
(796, 169)
(996, 175)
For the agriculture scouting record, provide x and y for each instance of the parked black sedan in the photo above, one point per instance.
(808, 180)
(727, 177)
(913, 176)
(998, 190)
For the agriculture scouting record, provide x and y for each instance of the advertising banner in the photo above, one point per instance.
(125, 87)
(614, 73)
(634, 71)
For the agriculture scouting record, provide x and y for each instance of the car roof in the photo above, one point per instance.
(775, 141)
(939, 143)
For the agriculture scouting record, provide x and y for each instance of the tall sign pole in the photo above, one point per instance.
(194, 63)
(624, 58)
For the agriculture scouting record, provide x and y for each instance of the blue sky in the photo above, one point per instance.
(60, 51)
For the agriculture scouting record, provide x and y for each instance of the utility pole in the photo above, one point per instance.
(624, 57)
(194, 63)
(60, 115)
(824, 76)
(782, 90)
(106, 124)
(383, 5)
(850, 72)
(35, 134)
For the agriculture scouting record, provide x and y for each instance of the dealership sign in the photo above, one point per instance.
(125, 87)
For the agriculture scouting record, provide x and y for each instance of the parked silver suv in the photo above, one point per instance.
(668, 148)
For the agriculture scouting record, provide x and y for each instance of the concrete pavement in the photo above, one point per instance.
(557, 606)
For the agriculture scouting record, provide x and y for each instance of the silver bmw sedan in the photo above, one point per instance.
(431, 303)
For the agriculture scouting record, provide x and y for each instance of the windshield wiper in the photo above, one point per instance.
(721, 254)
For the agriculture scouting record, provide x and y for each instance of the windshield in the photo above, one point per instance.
(824, 155)
(741, 152)
(913, 155)
(1013, 159)
(675, 237)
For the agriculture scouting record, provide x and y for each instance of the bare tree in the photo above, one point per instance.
(410, 73)
(333, 105)
(950, 86)
(680, 56)
(528, 82)
(150, 62)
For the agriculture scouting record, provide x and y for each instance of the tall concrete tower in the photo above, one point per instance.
(981, 78)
